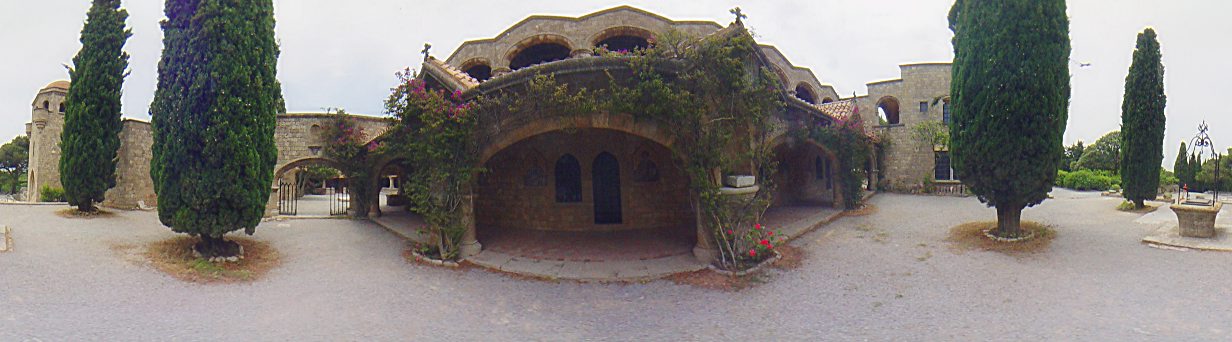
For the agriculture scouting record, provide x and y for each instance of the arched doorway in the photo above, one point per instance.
(585, 194)
(805, 184)
(312, 187)
(606, 184)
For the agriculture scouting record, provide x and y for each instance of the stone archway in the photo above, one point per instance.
(309, 186)
(632, 198)
(807, 174)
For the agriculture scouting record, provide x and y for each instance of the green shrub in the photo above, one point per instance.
(1088, 180)
(50, 194)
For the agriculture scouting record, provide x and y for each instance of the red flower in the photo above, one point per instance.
(757, 226)
(729, 232)
(770, 246)
(752, 252)
(770, 233)
(765, 242)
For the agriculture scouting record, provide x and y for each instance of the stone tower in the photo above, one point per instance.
(46, 123)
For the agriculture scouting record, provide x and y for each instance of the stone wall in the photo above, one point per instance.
(908, 163)
(134, 189)
(519, 191)
(298, 137)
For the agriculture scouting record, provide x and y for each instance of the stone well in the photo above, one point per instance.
(1197, 220)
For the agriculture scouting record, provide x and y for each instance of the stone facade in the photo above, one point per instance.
(906, 163)
(521, 190)
(297, 136)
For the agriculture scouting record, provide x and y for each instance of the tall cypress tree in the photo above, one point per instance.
(92, 109)
(214, 115)
(1011, 94)
(1142, 122)
(1181, 166)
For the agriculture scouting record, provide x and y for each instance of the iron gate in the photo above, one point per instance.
(339, 201)
(288, 203)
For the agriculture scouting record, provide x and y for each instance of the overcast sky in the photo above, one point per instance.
(344, 53)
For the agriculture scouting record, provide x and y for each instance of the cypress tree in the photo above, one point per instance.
(214, 114)
(1142, 122)
(1011, 94)
(92, 109)
(1181, 166)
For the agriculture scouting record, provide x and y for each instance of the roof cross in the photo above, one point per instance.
(426, 51)
(740, 16)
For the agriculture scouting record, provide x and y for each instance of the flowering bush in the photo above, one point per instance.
(436, 133)
(346, 143)
(753, 245)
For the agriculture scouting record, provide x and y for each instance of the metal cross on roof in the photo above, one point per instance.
(739, 15)
(426, 51)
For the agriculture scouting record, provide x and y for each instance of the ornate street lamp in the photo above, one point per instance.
(1201, 145)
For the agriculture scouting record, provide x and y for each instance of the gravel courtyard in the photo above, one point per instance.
(887, 276)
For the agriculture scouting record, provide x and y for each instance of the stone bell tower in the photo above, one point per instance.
(46, 123)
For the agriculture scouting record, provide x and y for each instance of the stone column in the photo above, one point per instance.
(705, 250)
(271, 207)
(470, 243)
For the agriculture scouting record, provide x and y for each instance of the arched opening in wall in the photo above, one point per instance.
(62, 107)
(805, 93)
(623, 39)
(887, 111)
(312, 187)
(392, 196)
(539, 50)
(804, 183)
(47, 105)
(826, 100)
(585, 193)
(480, 72)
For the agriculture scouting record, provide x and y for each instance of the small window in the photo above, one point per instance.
(945, 112)
(62, 108)
(942, 170)
(568, 179)
(923, 106)
(47, 105)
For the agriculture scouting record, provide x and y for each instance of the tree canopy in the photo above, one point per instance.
(1142, 122)
(1011, 95)
(214, 115)
(92, 109)
(1104, 154)
(14, 161)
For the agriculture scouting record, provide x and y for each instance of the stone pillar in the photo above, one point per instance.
(470, 243)
(705, 250)
(271, 207)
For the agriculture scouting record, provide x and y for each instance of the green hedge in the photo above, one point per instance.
(50, 194)
(1088, 180)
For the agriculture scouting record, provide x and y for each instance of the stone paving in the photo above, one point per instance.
(886, 276)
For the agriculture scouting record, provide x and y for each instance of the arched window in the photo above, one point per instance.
(804, 93)
(539, 54)
(62, 107)
(481, 72)
(568, 179)
(826, 100)
(47, 105)
(887, 110)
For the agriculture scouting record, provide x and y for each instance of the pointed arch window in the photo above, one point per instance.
(568, 176)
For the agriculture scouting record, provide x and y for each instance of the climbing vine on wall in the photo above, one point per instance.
(436, 132)
(852, 146)
(346, 143)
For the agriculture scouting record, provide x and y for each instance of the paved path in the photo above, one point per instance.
(887, 276)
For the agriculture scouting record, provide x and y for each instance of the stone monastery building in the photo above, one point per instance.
(596, 171)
